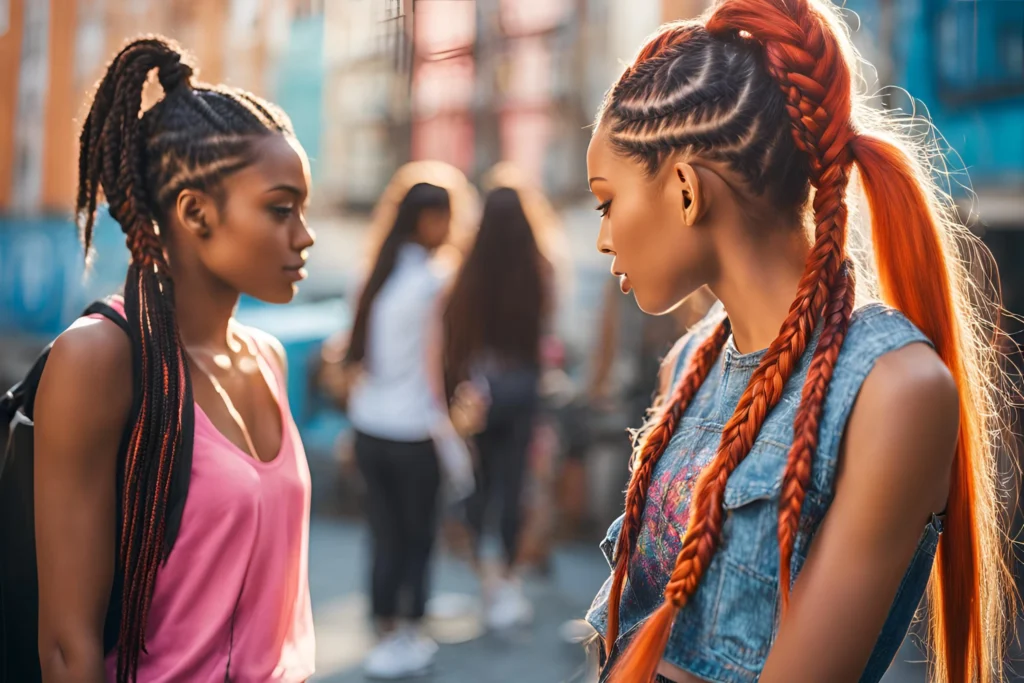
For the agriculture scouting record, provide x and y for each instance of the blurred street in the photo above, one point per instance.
(338, 566)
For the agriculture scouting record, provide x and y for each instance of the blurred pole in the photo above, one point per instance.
(61, 96)
(10, 57)
(681, 9)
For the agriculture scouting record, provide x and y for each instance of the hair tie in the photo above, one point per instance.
(174, 73)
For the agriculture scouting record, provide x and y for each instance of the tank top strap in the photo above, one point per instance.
(270, 359)
(875, 330)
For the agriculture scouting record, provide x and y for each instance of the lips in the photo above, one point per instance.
(624, 284)
(297, 272)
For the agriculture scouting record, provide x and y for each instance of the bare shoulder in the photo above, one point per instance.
(86, 387)
(274, 344)
(904, 425)
(94, 353)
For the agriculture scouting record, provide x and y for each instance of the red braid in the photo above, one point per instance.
(652, 445)
(805, 427)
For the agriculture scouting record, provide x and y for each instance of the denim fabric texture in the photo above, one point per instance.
(726, 630)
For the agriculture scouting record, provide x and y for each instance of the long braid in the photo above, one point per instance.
(805, 427)
(192, 138)
(650, 120)
(652, 444)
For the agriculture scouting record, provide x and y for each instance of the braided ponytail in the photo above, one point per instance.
(141, 162)
(112, 158)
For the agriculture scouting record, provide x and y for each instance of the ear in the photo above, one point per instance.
(196, 212)
(693, 201)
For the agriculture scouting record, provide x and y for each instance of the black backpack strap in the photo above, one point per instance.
(108, 312)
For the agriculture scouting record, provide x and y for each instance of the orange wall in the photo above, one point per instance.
(681, 9)
(59, 149)
(10, 56)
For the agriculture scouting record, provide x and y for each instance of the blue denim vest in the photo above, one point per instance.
(726, 629)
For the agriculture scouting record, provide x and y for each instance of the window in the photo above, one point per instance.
(979, 49)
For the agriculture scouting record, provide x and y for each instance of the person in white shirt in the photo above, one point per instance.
(395, 406)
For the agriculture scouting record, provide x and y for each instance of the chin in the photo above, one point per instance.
(660, 305)
(277, 296)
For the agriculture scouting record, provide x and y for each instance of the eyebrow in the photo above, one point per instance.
(287, 188)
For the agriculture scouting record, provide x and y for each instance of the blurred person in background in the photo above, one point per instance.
(396, 403)
(138, 581)
(811, 456)
(500, 305)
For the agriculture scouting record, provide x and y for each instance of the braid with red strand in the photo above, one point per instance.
(805, 63)
(652, 445)
(192, 138)
(805, 427)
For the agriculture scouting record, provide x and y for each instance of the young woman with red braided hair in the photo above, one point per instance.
(137, 580)
(816, 461)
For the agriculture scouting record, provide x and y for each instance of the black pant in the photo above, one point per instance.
(402, 482)
(503, 450)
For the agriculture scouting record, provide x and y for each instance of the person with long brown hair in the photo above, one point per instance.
(398, 410)
(172, 491)
(813, 463)
(499, 307)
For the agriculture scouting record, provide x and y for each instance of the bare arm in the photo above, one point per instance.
(81, 410)
(894, 473)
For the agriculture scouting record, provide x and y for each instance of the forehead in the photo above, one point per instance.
(277, 160)
(604, 161)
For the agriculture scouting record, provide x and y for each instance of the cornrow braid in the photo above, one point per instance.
(718, 90)
(192, 138)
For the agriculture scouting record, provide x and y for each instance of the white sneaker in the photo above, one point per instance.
(403, 654)
(508, 607)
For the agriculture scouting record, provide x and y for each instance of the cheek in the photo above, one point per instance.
(243, 244)
(639, 236)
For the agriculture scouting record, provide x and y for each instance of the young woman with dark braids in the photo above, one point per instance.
(209, 186)
(815, 462)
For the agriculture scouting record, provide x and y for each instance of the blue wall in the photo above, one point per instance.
(43, 281)
(299, 78)
(965, 62)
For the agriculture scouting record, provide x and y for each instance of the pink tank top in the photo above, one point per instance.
(240, 563)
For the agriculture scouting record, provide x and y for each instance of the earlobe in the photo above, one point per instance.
(693, 201)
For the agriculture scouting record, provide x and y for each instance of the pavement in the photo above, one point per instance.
(338, 567)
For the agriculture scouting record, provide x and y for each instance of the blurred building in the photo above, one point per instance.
(964, 62)
(53, 51)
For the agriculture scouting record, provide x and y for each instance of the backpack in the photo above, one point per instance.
(19, 586)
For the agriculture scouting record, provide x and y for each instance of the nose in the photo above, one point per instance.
(604, 239)
(305, 238)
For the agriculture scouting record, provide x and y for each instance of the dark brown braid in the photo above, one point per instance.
(192, 138)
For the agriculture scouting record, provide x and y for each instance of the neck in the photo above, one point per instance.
(204, 308)
(758, 279)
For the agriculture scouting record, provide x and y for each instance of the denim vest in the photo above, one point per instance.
(726, 629)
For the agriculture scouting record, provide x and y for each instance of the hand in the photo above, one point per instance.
(468, 410)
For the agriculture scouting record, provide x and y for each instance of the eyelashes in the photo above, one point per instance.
(603, 208)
